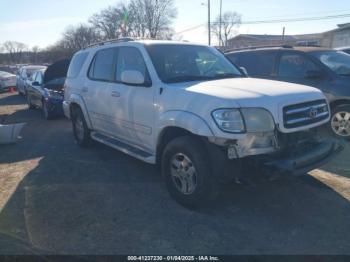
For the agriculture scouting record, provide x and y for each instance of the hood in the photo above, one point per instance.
(202, 98)
(252, 92)
(57, 70)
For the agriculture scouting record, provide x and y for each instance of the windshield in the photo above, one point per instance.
(337, 61)
(183, 63)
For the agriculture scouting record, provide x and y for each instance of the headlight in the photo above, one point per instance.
(244, 120)
(229, 120)
(54, 94)
(258, 120)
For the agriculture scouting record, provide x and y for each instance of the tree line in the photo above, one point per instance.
(138, 18)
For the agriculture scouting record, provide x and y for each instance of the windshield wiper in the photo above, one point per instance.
(186, 78)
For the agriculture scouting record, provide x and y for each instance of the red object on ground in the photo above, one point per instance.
(12, 90)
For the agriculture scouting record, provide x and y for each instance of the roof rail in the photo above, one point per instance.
(117, 40)
(257, 47)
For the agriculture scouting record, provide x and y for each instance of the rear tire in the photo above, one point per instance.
(340, 122)
(80, 129)
(188, 172)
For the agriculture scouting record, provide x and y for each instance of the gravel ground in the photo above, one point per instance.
(56, 198)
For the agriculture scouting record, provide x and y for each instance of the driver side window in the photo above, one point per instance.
(130, 58)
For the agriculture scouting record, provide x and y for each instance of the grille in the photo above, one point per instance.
(305, 113)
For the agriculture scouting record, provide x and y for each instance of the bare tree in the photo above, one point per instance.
(229, 22)
(15, 50)
(152, 18)
(78, 37)
(111, 22)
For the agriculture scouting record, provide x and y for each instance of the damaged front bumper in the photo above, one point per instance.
(278, 153)
(300, 162)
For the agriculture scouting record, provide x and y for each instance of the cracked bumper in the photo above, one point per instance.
(306, 161)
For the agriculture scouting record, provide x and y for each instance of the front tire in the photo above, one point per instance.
(29, 102)
(46, 111)
(80, 129)
(340, 121)
(187, 172)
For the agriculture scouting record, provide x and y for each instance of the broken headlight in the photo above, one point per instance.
(258, 120)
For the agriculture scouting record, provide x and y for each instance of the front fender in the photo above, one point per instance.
(77, 99)
(185, 120)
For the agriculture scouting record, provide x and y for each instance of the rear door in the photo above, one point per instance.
(37, 89)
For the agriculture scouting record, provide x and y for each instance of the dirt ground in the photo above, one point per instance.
(56, 198)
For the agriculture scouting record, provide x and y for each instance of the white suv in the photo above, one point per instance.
(186, 107)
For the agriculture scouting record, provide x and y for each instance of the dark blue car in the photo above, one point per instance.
(325, 69)
(45, 90)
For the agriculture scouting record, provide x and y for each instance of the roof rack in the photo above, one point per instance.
(117, 40)
(257, 47)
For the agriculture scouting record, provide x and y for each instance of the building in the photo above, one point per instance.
(335, 38)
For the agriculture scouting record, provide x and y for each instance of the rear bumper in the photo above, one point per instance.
(303, 163)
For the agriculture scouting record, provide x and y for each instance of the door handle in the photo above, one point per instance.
(84, 89)
(115, 94)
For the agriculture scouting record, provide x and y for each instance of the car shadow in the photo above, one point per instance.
(62, 199)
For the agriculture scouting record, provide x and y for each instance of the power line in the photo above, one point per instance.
(287, 20)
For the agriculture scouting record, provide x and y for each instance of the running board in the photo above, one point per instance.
(123, 147)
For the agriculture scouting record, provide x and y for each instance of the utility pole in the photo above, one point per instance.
(283, 34)
(220, 40)
(209, 27)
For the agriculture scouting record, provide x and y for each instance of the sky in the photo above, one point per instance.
(41, 22)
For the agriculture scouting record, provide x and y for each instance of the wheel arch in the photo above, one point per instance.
(78, 102)
(339, 102)
(175, 124)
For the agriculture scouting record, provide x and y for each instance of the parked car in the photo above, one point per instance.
(23, 75)
(187, 108)
(325, 69)
(46, 89)
(344, 49)
(7, 80)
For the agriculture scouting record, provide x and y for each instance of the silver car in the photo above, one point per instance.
(23, 75)
(7, 80)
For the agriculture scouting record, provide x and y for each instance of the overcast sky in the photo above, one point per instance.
(41, 22)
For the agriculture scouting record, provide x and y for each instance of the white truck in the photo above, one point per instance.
(187, 108)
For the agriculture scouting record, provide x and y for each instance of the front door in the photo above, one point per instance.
(131, 106)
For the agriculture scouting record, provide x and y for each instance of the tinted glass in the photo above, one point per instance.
(130, 58)
(338, 62)
(258, 64)
(295, 66)
(181, 63)
(39, 78)
(102, 67)
(76, 64)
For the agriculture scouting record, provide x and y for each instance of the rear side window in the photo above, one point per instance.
(295, 65)
(102, 67)
(258, 64)
(76, 64)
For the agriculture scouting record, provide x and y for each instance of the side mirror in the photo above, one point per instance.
(36, 83)
(132, 77)
(314, 74)
(244, 71)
